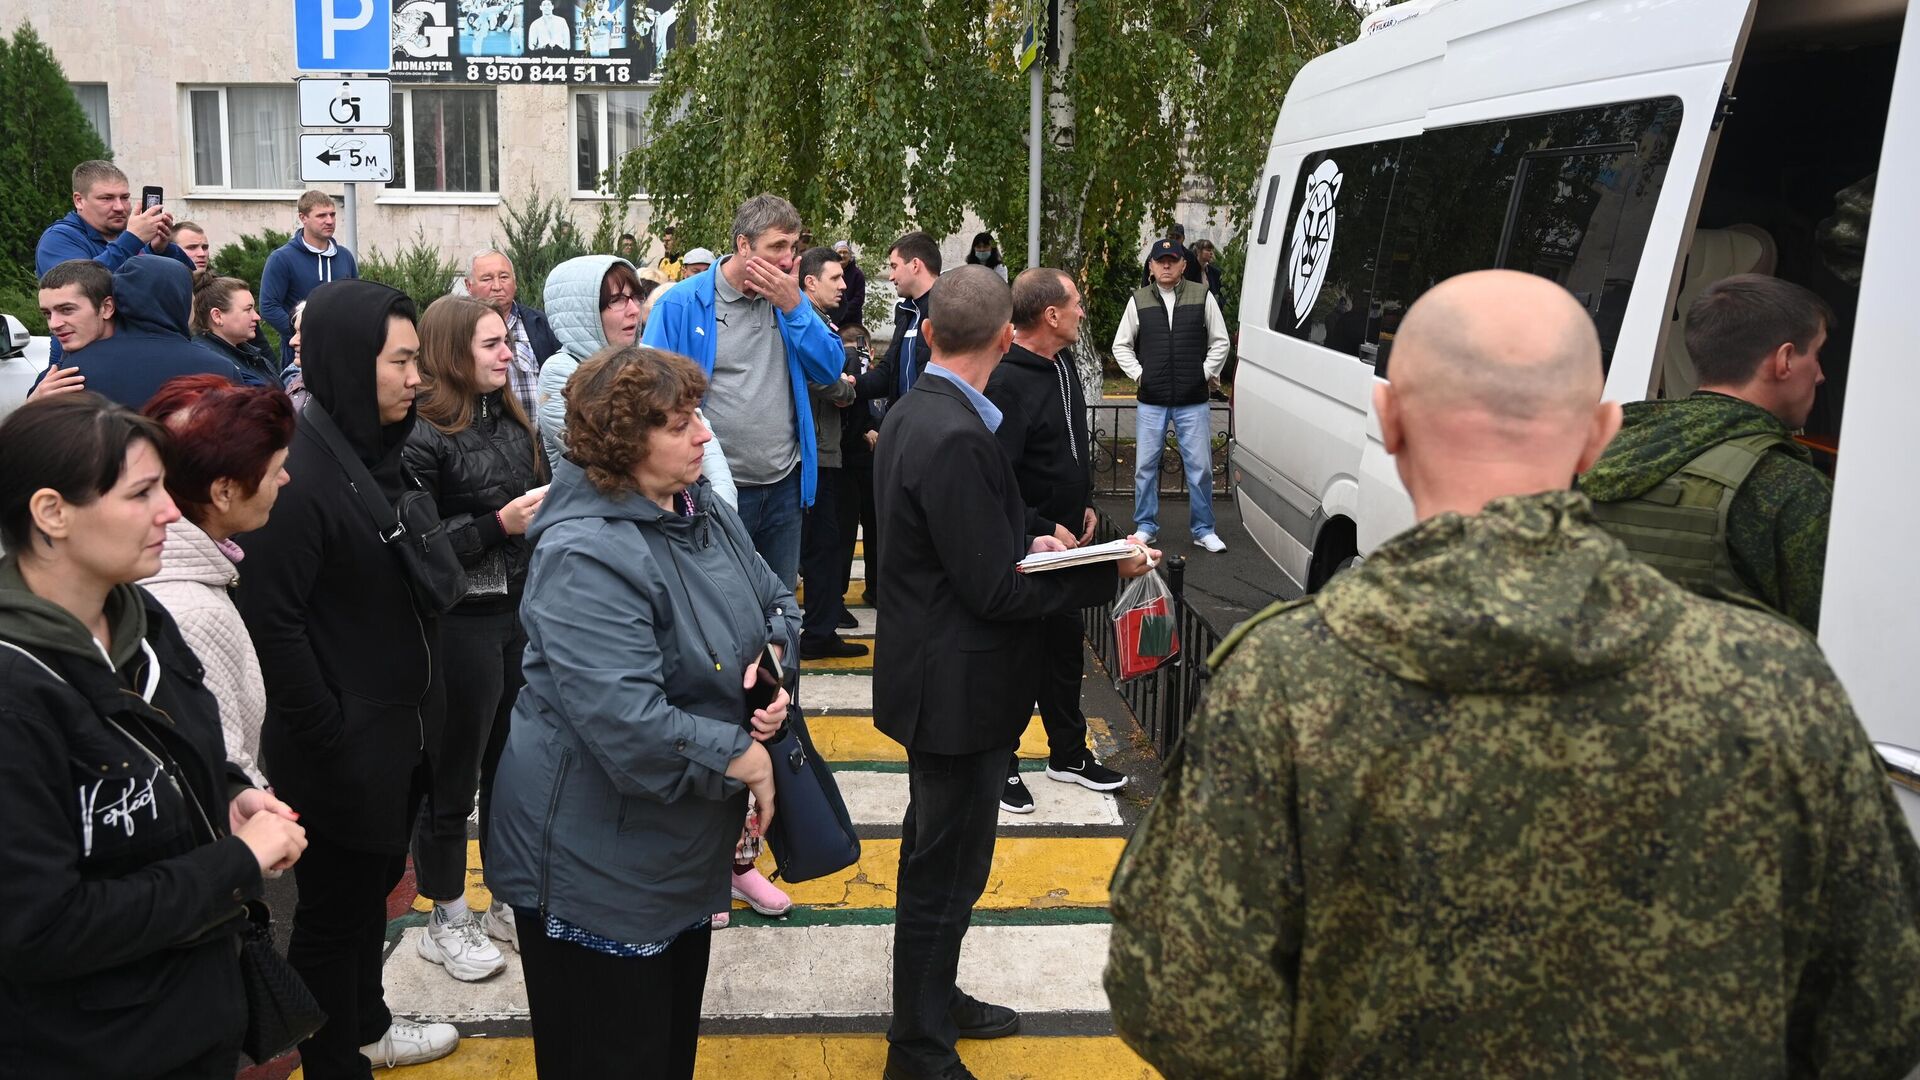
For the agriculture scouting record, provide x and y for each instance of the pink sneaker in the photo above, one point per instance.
(722, 920)
(760, 894)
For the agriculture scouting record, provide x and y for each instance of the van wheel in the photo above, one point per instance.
(1335, 554)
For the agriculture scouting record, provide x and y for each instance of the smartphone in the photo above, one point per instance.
(766, 685)
(151, 197)
(541, 490)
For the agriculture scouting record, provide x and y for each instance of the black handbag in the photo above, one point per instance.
(281, 1011)
(411, 526)
(812, 834)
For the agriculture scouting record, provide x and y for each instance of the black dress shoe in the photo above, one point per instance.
(901, 1070)
(835, 648)
(979, 1020)
(847, 621)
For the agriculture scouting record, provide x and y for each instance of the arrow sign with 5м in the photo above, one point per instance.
(346, 158)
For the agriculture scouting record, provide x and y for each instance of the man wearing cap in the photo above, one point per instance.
(695, 263)
(1173, 342)
(853, 303)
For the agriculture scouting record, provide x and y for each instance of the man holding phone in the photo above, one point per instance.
(103, 226)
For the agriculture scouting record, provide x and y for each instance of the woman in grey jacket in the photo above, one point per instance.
(632, 748)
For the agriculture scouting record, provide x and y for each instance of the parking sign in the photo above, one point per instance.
(343, 35)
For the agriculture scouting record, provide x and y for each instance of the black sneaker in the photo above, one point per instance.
(901, 1070)
(847, 621)
(979, 1020)
(1015, 798)
(831, 649)
(1086, 772)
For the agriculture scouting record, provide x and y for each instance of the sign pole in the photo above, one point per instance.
(1034, 135)
(350, 222)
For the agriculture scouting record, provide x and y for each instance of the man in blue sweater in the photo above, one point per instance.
(308, 259)
(760, 342)
(102, 226)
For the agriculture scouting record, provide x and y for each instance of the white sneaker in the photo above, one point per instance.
(457, 943)
(1140, 536)
(1211, 542)
(499, 925)
(412, 1044)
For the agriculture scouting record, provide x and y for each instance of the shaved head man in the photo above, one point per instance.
(1495, 390)
(1501, 741)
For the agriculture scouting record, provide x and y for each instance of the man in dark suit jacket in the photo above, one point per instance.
(956, 671)
(491, 280)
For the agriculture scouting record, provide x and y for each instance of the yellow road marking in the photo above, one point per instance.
(854, 738)
(1027, 873)
(843, 663)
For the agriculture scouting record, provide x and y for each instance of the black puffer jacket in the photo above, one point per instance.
(473, 473)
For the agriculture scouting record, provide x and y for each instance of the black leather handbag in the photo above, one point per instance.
(812, 834)
(411, 527)
(281, 1011)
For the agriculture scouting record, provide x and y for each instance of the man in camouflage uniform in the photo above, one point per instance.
(1503, 801)
(1755, 341)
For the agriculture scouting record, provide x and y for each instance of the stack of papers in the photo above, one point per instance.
(1113, 551)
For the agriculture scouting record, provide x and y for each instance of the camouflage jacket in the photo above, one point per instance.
(1777, 525)
(1504, 802)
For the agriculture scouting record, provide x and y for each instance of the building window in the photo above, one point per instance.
(606, 124)
(245, 138)
(93, 102)
(446, 140)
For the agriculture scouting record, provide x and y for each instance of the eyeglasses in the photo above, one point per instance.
(619, 299)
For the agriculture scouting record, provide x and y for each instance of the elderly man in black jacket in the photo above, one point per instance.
(490, 280)
(1044, 431)
(956, 672)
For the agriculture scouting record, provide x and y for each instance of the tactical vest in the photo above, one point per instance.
(1679, 526)
(1173, 359)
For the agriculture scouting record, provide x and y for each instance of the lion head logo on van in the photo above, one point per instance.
(1312, 239)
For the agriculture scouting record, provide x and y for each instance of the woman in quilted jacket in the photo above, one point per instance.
(479, 456)
(226, 462)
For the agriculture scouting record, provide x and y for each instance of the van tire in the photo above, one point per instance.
(1335, 551)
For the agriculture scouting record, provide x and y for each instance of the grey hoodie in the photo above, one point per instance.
(611, 808)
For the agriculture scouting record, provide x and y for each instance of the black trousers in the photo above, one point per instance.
(597, 1017)
(339, 936)
(820, 562)
(858, 512)
(482, 654)
(1063, 655)
(946, 853)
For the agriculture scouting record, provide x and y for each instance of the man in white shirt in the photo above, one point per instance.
(1173, 342)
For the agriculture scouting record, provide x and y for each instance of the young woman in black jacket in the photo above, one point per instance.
(130, 841)
(476, 452)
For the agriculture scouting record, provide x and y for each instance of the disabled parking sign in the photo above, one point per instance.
(343, 35)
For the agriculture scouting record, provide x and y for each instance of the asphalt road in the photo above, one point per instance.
(1226, 588)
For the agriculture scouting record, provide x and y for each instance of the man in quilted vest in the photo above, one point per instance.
(1756, 342)
(1173, 342)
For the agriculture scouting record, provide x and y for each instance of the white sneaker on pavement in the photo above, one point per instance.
(1211, 542)
(499, 925)
(1140, 536)
(455, 941)
(412, 1044)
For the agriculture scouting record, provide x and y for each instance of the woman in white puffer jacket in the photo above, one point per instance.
(225, 460)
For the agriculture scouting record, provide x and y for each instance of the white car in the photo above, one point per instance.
(22, 359)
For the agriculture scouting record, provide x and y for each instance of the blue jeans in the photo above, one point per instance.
(1193, 425)
(771, 513)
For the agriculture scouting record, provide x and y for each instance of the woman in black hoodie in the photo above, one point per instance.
(129, 838)
(475, 451)
(349, 671)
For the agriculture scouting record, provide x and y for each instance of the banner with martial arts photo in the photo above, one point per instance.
(582, 42)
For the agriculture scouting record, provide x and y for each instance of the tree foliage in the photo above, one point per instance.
(43, 135)
(875, 116)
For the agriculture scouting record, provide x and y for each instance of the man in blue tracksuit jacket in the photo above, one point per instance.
(746, 324)
(103, 226)
(308, 259)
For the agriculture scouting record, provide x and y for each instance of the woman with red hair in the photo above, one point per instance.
(225, 463)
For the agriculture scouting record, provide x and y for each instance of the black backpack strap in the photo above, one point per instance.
(327, 433)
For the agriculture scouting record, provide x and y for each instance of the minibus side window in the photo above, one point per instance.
(1323, 286)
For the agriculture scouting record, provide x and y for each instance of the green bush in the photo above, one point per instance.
(246, 258)
(417, 269)
(43, 135)
(540, 235)
(23, 304)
